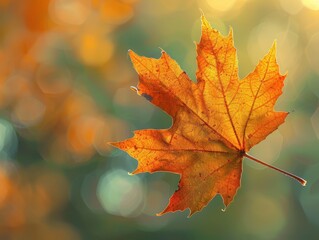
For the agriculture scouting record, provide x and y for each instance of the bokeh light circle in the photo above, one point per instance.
(311, 4)
(121, 194)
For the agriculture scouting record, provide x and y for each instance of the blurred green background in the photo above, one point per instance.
(64, 92)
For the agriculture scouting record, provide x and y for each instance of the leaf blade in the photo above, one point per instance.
(215, 121)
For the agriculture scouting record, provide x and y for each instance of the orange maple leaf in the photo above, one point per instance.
(215, 121)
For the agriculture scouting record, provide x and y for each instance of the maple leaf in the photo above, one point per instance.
(215, 121)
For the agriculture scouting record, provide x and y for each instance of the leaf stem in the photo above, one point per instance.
(302, 181)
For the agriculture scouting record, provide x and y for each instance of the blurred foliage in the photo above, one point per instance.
(64, 92)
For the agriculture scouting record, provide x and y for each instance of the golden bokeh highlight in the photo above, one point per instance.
(221, 5)
(291, 6)
(114, 11)
(27, 200)
(39, 95)
(311, 4)
(93, 47)
(71, 12)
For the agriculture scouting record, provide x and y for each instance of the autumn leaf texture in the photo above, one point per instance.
(216, 121)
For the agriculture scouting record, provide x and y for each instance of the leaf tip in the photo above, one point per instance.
(120, 145)
(191, 214)
(132, 54)
(231, 31)
(231, 34)
(274, 46)
(162, 213)
(135, 89)
(205, 23)
(162, 50)
(201, 11)
(114, 144)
